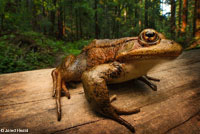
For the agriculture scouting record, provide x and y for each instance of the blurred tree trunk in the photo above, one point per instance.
(196, 27)
(34, 19)
(173, 19)
(44, 12)
(136, 13)
(2, 21)
(77, 27)
(28, 5)
(146, 6)
(179, 17)
(140, 19)
(184, 16)
(117, 32)
(80, 23)
(53, 19)
(96, 20)
(114, 23)
(61, 23)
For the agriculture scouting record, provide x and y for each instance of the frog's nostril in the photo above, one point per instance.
(150, 34)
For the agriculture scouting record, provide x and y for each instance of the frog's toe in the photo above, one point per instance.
(152, 78)
(65, 90)
(149, 83)
(59, 114)
(122, 111)
(113, 98)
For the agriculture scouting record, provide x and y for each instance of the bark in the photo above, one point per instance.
(184, 16)
(173, 19)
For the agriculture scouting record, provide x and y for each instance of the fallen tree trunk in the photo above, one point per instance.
(26, 102)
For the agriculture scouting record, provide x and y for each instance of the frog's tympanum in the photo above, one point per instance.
(113, 61)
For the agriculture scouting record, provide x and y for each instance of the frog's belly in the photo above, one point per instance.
(135, 69)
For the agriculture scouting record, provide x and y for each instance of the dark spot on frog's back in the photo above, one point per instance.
(96, 92)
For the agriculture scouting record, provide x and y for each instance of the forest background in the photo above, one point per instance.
(37, 34)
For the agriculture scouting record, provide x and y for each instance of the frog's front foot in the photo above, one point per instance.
(152, 78)
(146, 79)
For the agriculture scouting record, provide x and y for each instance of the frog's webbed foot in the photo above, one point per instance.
(152, 78)
(58, 85)
(122, 111)
(64, 90)
(146, 79)
(97, 94)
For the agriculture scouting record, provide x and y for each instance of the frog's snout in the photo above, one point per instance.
(175, 48)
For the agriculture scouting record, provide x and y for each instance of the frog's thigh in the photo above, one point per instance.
(94, 83)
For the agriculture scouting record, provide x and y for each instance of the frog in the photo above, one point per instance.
(110, 61)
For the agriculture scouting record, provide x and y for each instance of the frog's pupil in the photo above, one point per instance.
(150, 34)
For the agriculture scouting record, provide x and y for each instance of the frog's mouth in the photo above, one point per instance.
(166, 49)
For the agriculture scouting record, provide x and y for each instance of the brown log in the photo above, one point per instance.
(26, 102)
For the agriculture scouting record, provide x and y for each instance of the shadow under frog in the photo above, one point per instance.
(108, 61)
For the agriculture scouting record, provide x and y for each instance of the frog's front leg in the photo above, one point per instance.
(97, 94)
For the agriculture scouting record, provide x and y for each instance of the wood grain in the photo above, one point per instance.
(26, 102)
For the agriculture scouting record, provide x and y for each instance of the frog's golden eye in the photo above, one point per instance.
(149, 37)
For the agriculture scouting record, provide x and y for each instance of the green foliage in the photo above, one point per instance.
(31, 50)
(36, 32)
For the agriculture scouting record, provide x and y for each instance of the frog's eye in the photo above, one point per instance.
(148, 37)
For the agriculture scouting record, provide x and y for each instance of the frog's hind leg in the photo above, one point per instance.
(54, 77)
(58, 95)
(65, 89)
(97, 94)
